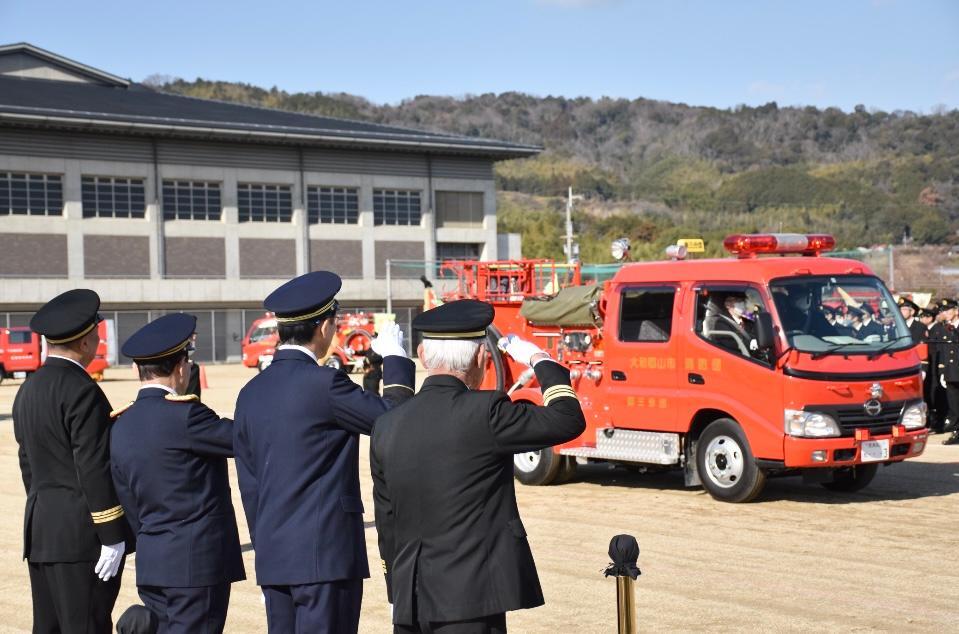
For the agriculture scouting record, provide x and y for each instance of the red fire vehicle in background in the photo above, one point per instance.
(354, 334)
(22, 351)
(669, 378)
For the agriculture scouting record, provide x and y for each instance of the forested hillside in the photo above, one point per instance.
(654, 171)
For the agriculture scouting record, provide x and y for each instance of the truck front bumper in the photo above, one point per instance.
(847, 451)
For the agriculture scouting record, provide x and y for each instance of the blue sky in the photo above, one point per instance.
(886, 54)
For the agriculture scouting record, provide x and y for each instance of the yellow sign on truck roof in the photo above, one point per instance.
(693, 245)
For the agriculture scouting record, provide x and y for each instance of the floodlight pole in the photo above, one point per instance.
(570, 258)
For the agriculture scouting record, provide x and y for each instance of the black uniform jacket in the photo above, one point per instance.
(445, 505)
(61, 421)
(918, 331)
(297, 459)
(169, 462)
(944, 351)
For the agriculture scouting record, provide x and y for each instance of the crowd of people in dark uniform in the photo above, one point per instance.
(151, 477)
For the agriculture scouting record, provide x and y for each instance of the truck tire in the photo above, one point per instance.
(850, 479)
(537, 468)
(567, 470)
(726, 464)
(334, 362)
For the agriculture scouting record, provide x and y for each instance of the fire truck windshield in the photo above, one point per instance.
(843, 314)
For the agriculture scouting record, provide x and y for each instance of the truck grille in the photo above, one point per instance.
(853, 417)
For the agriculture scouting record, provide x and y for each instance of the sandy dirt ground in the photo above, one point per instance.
(799, 559)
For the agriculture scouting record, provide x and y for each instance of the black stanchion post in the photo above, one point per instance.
(624, 553)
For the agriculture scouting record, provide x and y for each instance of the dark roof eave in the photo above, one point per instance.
(492, 150)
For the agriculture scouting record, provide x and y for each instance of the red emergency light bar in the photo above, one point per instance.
(751, 245)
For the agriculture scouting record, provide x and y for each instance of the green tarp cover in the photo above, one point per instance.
(572, 306)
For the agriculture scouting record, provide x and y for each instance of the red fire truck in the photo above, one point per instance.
(354, 333)
(727, 369)
(22, 351)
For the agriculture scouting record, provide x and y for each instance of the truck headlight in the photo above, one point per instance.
(914, 416)
(797, 422)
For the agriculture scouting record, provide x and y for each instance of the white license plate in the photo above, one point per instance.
(875, 450)
(19, 375)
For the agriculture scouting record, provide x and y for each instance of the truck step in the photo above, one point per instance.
(628, 445)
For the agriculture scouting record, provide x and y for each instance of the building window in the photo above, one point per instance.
(396, 207)
(459, 209)
(264, 203)
(191, 200)
(30, 194)
(458, 251)
(106, 197)
(333, 205)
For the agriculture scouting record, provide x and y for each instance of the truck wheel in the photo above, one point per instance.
(851, 479)
(725, 463)
(261, 365)
(567, 469)
(334, 362)
(537, 468)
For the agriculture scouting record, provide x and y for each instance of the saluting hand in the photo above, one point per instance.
(110, 558)
(522, 351)
(389, 342)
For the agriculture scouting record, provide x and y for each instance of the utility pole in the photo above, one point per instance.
(571, 257)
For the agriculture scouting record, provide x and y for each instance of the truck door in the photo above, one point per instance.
(724, 370)
(642, 360)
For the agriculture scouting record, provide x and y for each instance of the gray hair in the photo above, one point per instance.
(449, 354)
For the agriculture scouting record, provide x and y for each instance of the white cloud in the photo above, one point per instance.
(576, 4)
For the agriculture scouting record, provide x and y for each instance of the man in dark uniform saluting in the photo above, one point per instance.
(296, 437)
(74, 529)
(454, 549)
(169, 458)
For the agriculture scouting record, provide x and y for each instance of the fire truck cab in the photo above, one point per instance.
(733, 370)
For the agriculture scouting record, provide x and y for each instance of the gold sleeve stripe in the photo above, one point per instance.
(101, 517)
(557, 388)
(385, 387)
(558, 391)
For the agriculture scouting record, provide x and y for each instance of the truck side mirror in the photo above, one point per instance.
(765, 333)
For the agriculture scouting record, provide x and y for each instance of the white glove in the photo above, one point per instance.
(753, 345)
(110, 558)
(389, 342)
(942, 380)
(521, 351)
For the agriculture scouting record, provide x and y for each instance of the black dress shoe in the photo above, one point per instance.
(952, 440)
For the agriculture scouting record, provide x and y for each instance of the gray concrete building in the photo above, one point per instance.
(161, 202)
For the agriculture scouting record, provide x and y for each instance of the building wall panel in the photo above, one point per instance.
(182, 152)
(116, 256)
(33, 255)
(195, 257)
(343, 257)
(396, 250)
(462, 167)
(365, 162)
(267, 258)
(70, 145)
